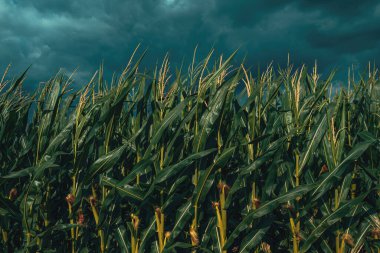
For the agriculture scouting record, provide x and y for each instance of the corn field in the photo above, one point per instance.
(212, 157)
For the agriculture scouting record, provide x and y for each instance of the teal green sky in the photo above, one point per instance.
(68, 34)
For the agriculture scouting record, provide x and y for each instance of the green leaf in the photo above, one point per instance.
(313, 143)
(199, 192)
(60, 139)
(209, 118)
(169, 119)
(140, 168)
(329, 220)
(120, 237)
(217, 244)
(184, 214)
(361, 238)
(268, 153)
(146, 235)
(125, 190)
(105, 162)
(267, 208)
(8, 208)
(169, 172)
(326, 183)
(20, 173)
(254, 237)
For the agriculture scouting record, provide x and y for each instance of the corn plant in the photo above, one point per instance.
(215, 157)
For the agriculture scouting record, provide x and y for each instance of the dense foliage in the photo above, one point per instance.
(213, 158)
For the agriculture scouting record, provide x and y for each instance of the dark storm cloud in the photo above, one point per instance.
(53, 34)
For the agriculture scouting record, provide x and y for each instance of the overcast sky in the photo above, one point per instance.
(71, 33)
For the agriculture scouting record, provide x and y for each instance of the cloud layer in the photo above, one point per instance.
(70, 33)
